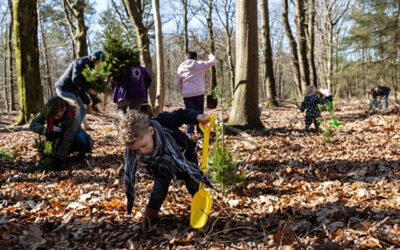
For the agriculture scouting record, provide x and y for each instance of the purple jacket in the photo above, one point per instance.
(132, 85)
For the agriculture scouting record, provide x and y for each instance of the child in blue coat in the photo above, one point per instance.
(310, 104)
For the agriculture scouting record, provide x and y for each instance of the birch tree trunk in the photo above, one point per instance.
(267, 49)
(30, 91)
(293, 47)
(159, 102)
(245, 111)
(135, 11)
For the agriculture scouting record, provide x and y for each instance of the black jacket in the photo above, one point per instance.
(69, 128)
(379, 91)
(172, 121)
(72, 80)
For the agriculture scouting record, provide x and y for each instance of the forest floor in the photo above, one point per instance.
(299, 192)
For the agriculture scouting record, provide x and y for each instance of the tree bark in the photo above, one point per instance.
(159, 104)
(211, 101)
(5, 86)
(30, 91)
(47, 76)
(185, 26)
(311, 43)
(71, 27)
(10, 57)
(293, 47)
(135, 12)
(302, 45)
(225, 20)
(245, 111)
(78, 11)
(267, 49)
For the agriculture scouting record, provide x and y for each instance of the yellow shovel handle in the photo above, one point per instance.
(206, 132)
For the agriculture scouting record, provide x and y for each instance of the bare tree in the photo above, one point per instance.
(77, 9)
(159, 104)
(136, 10)
(302, 45)
(185, 25)
(228, 12)
(11, 58)
(293, 46)
(245, 103)
(47, 75)
(311, 42)
(267, 49)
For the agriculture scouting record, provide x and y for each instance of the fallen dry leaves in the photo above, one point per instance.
(299, 192)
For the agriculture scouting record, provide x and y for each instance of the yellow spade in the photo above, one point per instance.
(202, 202)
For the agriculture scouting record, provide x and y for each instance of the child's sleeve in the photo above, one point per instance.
(77, 78)
(37, 124)
(207, 64)
(67, 140)
(129, 177)
(303, 106)
(177, 118)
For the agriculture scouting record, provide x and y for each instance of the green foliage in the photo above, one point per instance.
(271, 103)
(120, 55)
(5, 155)
(96, 78)
(223, 168)
(47, 151)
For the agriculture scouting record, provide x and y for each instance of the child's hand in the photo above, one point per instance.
(202, 119)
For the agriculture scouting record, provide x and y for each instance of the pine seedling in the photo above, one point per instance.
(5, 155)
(47, 151)
(223, 167)
(96, 78)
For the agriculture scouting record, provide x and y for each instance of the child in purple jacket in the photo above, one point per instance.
(191, 83)
(130, 89)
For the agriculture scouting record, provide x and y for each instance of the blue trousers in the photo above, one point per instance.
(195, 103)
(76, 99)
(81, 143)
(385, 99)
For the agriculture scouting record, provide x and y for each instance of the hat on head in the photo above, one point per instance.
(99, 55)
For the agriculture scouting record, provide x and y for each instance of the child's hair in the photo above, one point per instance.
(133, 126)
(311, 89)
(53, 106)
(191, 55)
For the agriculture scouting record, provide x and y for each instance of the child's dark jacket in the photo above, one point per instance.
(68, 123)
(379, 91)
(310, 104)
(177, 152)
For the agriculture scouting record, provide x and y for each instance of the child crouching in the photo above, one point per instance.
(58, 120)
(310, 103)
(165, 152)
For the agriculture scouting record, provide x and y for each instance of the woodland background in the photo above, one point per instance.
(318, 191)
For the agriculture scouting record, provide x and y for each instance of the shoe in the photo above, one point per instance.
(150, 218)
(81, 156)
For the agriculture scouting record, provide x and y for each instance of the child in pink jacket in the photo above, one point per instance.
(191, 83)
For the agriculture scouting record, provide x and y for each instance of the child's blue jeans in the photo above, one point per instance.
(81, 143)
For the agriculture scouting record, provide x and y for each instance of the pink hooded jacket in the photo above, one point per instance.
(191, 76)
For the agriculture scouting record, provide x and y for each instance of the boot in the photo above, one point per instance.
(150, 218)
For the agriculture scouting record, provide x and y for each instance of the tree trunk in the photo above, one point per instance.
(30, 91)
(10, 57)
(245, 111)
(293, 47)
(5, 89)
(159, 104)
(302, 46)
(78, 10)
(267, 49)
(311, 42)
(211, 101)
(135, 12)
(47, 76)
(185, 26)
